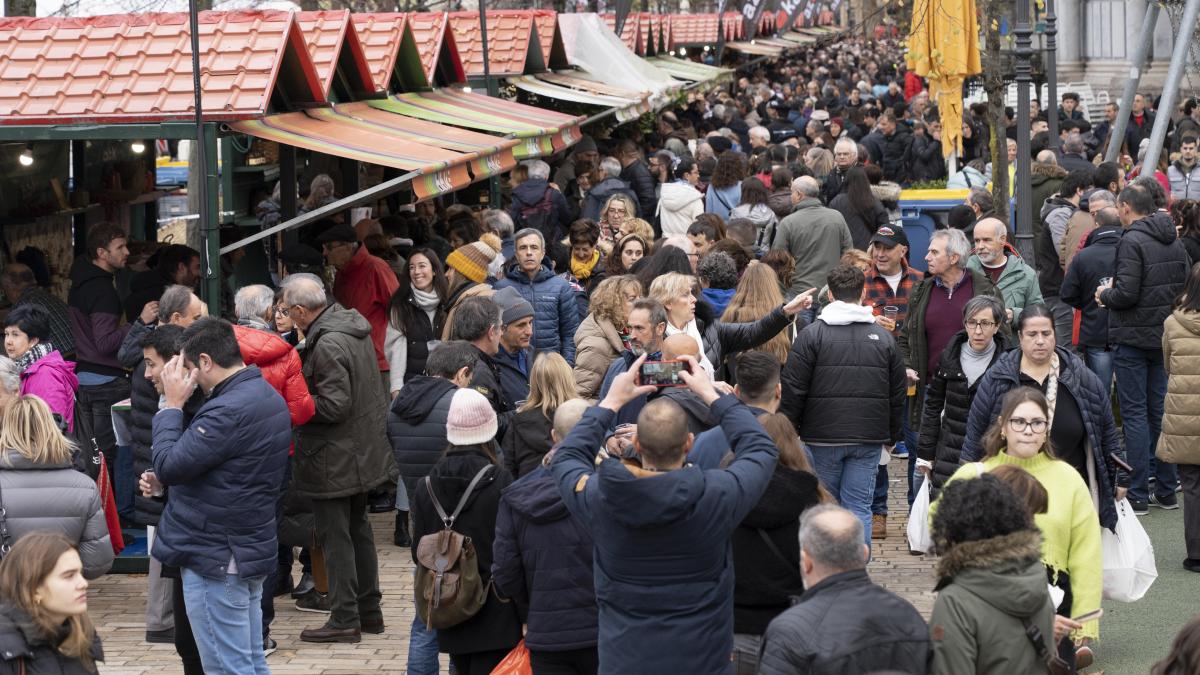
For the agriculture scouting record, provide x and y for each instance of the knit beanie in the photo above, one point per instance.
(472, 260)
(513, 307)
(471, 420)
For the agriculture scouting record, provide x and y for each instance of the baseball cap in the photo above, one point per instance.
(890, 236)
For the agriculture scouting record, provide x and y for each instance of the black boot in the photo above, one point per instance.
(401, 537)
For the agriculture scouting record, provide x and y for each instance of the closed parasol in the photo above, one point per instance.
(943, 47)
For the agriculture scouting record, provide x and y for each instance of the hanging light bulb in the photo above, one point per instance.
(466, 90)
(706, 49)
(26, 158)
(138, 147)
(682, 51)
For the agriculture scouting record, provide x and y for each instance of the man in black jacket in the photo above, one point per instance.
(1097, 260)
(897, 149)
(478, 321)
(1152, 266)
(635, 172)
(843, 388)
(844, 623)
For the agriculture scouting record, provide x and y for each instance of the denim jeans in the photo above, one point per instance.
(1141, 388)
(879, 506)
(272, 581)
(422, 649)
(124, 482)
(848, 472)
(226, 618)
(1100, 362)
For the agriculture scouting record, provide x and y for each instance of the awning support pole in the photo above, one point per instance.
(493, 89)
(1179, 60)
(1136, 64)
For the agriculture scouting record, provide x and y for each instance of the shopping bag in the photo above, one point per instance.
(1128, 557)
(919, 538)
(109, 503)
(516, 663)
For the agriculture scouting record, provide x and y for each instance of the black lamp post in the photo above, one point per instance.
(1051, 105)
(1024, 78)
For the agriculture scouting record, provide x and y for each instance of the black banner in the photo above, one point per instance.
(794, 9)
(623, 7)
(752, 11)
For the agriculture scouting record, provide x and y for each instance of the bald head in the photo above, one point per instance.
(566, 416)
(1047, 157)
(662, 437)
(805, 187)
(680, 344)
(990, 237)
(831, 542)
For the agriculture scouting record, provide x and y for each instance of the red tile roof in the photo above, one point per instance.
(330, 35)
(546, 22)
(435, 41)
(138, 68)
(509, 35)
(734, 26)
(380, 35)
(766, 24)
(694, 29)
(631, 32)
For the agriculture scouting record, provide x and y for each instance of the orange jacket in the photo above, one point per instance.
(280, 366)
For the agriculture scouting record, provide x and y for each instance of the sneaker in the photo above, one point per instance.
(269, 646)
(305, 586)
(1191, 564)
(1168, 503)
(1084, 657)
(1139, 508)
(381, 502)
(900, 451)
(879, 526)
(313, 602)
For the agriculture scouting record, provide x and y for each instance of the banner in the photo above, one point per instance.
(794, 9)
(623, 8)
(752, 11)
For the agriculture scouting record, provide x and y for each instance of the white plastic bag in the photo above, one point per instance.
(918, 521)
(1128, 557)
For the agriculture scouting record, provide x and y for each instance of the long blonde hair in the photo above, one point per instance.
(551, 383)
(24, 570)
(29, 428)
(758, 295)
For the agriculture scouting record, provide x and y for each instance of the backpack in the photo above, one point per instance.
(540, 216)
(448, 589)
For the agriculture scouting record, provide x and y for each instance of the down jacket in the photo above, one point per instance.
(56, 498)
(1152, 266)
(26, 650)
(1180, 439)
(417, 426)
(1185, 181)
(53, 380)
(1094, 406)
(555, 310)
(947, 404)
(723, 340)
(280, 366)
(527, 441)
(678, 206)
(597, 344)
(543, 562)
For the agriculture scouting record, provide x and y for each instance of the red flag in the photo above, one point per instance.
(109, 503)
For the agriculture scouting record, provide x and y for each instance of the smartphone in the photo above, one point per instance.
(1090, 616)
(662, 373)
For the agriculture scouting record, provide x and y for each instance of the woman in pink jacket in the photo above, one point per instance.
(44, 372)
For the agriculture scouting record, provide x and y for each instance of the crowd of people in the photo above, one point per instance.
(643, 417)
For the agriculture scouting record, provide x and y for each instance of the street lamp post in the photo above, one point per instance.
(1024, 78)
(1051, 58)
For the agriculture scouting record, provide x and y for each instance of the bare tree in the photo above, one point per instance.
(993, 84)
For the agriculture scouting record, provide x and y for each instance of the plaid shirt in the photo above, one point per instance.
(879, 293)
(60, 320)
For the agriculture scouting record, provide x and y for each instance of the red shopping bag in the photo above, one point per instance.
(109, 503)
(516, 663)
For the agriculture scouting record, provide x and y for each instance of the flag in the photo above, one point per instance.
(752, 11)
(623, 8)
(794, 9)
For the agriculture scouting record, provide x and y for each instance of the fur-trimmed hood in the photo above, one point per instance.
(1005, 572)
(989, 553)
(1047, 170)
(886, 191)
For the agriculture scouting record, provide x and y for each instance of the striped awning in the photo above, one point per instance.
(753, 48)
(539, 132)
(689, 70)
(585, 92)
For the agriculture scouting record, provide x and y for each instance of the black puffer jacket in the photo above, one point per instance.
(726, 339)
(1097, 260)
(417, 426)
(1152, 265)
(763, 583)
(25, 650)
(927, 160)
(947, 404)
(897, 155)
(844, 383)
(527, 442)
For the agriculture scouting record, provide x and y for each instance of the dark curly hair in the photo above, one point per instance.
(977, 509)
(731, 169)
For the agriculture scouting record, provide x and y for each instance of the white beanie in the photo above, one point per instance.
(471, 420)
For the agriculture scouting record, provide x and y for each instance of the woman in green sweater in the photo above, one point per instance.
(1070, 527)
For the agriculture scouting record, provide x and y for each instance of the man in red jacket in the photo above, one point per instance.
(363, 282)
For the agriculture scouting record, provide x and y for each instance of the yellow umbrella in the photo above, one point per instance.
(943, 47)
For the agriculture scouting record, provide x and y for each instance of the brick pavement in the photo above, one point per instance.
(117, 604)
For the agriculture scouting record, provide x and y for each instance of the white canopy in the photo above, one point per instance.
(593, 47)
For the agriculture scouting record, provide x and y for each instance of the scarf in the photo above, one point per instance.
(426, 300)
(34, 353)
(255, 323)
(583, 270)
(975, 363)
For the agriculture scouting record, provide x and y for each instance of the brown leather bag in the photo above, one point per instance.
(449, 589)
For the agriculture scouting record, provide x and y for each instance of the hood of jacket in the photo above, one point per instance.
(718, 296)
(11, 460)
(607, 188)
(20, 635)
(1189, 320)
(886, 191)
(1055, 202)
(530, 191)
(260, 348)
(84, 271)
(1040, 173)
(676, 196)
(647, 499)
(338, 319)
(838, 313)
(1003, 571)
(54, 361)
(1103, 236)
(1158, 225)
(419, 397)
(788, 493)
(536, 497)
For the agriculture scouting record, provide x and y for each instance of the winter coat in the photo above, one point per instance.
(366, 284)
(1079, 226)
(844, 382)
(555, 312)
(1095, 408)
(927, 160)
(643, 185)
(496, 625)
(816, 237)
(1097, 260)
(722, 201)
(53, 380)
(862, 225)
(145, 287)
(763, 581)
(846, 624)
(56, 498)
(781, 201)
(514, 384)
(417, 426)
(947, 404)
(1018, 284)
(281, 368)
(678, 206)
(26, 650)
(1191, 243)
(888, 194)
(1055, 215)
(663, 563)
(912, 342)
(969, 177)
(543, 562)
(1075, 162)
(1045, 181)
(527, 441)
(597, 344)
(143, 406)
(531, 193)
(987, 590)
(469, 289)
(343, 449)
(601, 192)
(830, 187)
(1152, 266)
(95, 319)
(897, 156)
(763, 217)
(720, 339)
(1180, 439)
(224, 472)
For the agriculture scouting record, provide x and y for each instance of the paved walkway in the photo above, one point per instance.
(118, 603)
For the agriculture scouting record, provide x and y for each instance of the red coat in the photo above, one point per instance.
(367, 284)
(912, 85)
(280, 366)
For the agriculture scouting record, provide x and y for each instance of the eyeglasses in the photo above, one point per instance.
(284, 311)
(1019, 424)
(980, 325)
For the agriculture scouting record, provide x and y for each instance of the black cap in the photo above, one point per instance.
(890, 236)
(337, 233)
(301, 254)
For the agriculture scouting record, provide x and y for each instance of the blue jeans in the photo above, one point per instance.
(124, 483)
(879, 498)
(848, 472)
(226, 618)
(1141, 388)
(422, 649)
(1100, 362)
